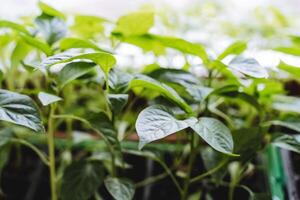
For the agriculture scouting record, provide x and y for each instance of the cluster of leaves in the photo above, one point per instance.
(237, 108)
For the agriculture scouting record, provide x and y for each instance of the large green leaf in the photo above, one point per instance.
(81, 179)
(105, 60)
(69, 43)
(52, 28)
(120, 189)
(170, 93)
(136, 23)
(248, 66)
(288, 142)
(235, 48)
(20, 109)
(292, 70)
(14, 26)
(47, 99)
(157, 122)
(37, 43)
(215, 133)
(73, 71)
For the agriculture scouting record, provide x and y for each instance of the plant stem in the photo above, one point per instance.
(151, 180)
(190, 168)
(211, 171)
(51, 149)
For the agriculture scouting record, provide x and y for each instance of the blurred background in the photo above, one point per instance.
(264, 24)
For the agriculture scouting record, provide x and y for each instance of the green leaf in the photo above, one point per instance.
(287, 142)
(120, 189)
(292, 70)
(215, 133)
(286, 103)
(136, 23)
(290, 124)
(224, 70)
(248, 66)
(198, 92)
(73, 71)
(146, 42)
(183, 46)
(165, 90)
(50, 10)
(37, 43)
(289, 50)
(14, 26)
(101, 122)
(232, 91)
(174, 76)
(20, 109)
(117, 102)
(235, 48)
(88, 26)
(69, 43)
(188, 81)
(81, 179)
(156, 122)
(247, 141)
(47, 99)
(19, 53)
(52, 28)
(105, 60)
(119, 80)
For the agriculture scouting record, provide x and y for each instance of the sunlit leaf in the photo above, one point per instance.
(215, 133)
(292, 70)
(248, 66)
(235, 48)
(165, 90)
(69, 43)
(105, 60)
(157, 122)
(136, 23)
(14, 26)
(47, 99)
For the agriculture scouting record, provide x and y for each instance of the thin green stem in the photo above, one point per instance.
(51, 149)
(151, 179)
(211, 171)
(190, 167)
(40, 154)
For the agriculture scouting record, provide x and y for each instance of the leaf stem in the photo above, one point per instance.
(190, 167)
(51, 149)
(211, 171)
